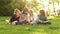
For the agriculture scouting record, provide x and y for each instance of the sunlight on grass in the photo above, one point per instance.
(51, 17)
(59, 32)
(39, 33)
(40, 30)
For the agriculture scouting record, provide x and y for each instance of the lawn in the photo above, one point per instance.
(54, 28)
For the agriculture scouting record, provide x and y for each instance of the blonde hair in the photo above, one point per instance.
(25, 10)
(16, 10)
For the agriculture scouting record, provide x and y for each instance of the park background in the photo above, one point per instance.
(51, 8)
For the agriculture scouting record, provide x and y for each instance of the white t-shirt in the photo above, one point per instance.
(34, 19)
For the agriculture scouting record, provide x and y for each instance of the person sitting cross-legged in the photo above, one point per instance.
(42, 18)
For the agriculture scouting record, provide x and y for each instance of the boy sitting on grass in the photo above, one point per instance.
(42, 18)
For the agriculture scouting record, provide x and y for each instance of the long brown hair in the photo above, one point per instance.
(25, 10)
(31, 12)
(42, 12)
(16, 10)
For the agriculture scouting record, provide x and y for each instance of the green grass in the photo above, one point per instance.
(54, 28)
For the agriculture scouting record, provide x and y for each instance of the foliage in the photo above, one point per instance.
(7, 6)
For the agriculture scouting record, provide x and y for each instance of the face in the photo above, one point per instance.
(31, 12)
(25, 10)
(17, 14)
(42, 13)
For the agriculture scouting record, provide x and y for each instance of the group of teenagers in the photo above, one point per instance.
(27, 17)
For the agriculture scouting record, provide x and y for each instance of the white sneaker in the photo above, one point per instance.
(7, 21)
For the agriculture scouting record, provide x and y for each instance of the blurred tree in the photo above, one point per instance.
(33, 4)
(4, 7)
(7, 6)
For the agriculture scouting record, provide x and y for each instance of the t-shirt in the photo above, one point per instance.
(22, 18)
(43, 18)
(33, 19)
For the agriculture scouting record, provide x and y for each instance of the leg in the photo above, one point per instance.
(39, 22)
(18, 23)
(7, 22)
(14, 22)
(48, 22)
(44, 22)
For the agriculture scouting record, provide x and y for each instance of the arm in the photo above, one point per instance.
(41, 21)
(22, 18)
(12, 18)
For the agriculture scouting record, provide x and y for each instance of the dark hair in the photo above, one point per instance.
(42, 12)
